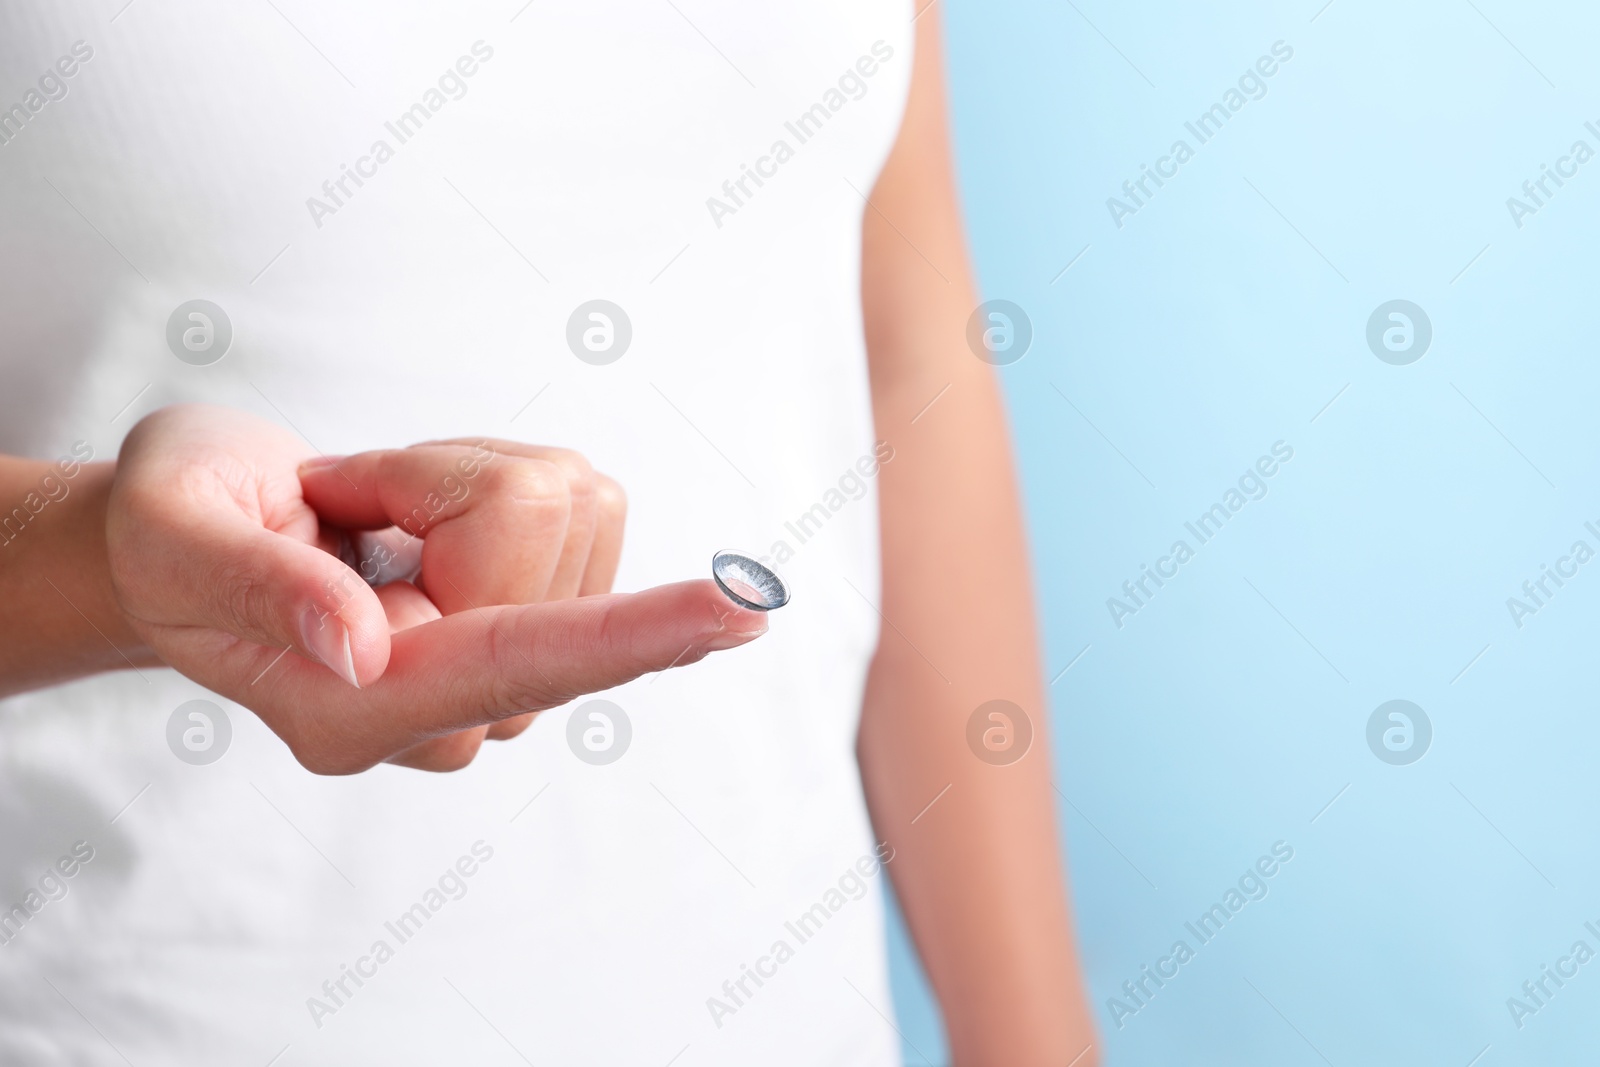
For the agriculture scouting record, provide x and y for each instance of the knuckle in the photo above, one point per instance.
(530, 481)
(388, 467)
(238, 593)
(514, 684)
(416, 512)
(506, 729)
(327, 760)
(620, 642)
(578, 472)
(575, 465)
(450, 753)
(610, 499)
(315, 746)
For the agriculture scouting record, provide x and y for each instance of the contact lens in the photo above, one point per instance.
(748, 583)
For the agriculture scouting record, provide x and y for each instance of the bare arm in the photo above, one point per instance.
(61, 619)
(979, 872)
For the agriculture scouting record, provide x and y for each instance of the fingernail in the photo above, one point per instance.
(327, 638)
(321, 462)
(725, 639)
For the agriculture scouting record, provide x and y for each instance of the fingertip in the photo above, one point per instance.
(730, 616)
(723, 640)
(320, 463)
(369, 639)
(697, 612)
(346, 628)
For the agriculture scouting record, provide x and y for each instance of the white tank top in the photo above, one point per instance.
(697, 163)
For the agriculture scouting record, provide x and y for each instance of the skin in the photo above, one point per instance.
(207, 547)
(978, 874)
(211, 545)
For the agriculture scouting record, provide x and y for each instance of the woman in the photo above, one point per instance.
(711, 250)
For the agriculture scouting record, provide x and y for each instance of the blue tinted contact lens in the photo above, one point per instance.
(748, 583)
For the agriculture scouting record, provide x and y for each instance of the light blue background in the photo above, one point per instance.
(1229, 712)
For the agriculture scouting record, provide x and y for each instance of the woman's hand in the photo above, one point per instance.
(224, 562)
(503, 522)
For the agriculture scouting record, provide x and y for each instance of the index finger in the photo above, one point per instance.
(481, 666)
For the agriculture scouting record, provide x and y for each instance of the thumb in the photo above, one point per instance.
(284, 592)
(267, 588)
